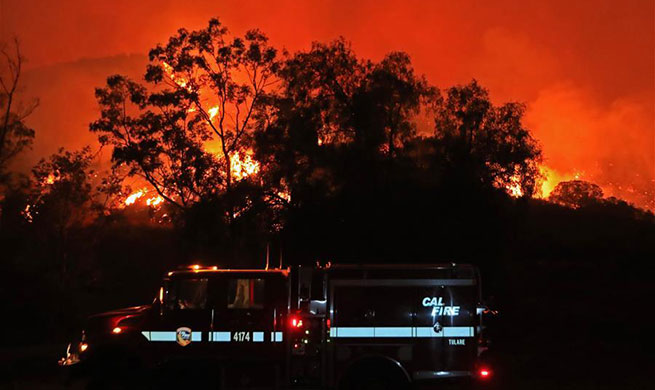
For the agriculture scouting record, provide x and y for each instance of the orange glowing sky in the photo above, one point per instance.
(586, 69)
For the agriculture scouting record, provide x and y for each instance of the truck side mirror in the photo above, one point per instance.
(162, 297)
(304, 293)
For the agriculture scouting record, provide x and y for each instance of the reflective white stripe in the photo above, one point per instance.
(458, 331)
(222, 337)
(447, 331)
(354, 332)
(276, 337)
(159, 335)
(392, 332)
(408, 331)
(426, 332)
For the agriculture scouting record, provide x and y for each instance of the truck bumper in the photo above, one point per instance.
(433, 375)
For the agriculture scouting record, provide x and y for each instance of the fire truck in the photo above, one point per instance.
(320, 327)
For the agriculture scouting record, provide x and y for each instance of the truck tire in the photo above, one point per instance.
(375, 374)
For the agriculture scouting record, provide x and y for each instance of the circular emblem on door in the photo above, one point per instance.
(183, 336)
(437, 328)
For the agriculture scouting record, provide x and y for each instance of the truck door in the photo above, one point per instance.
(247, 308)
(445, 322)
(186, 316)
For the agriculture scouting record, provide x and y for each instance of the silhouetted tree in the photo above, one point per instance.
(388, 101)
(203, 92)
(337, 117)
(15, 135)
(61, 204)
(486, 142)
(576, 194)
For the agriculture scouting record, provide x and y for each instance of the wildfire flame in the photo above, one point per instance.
(132, 198)
(242, 167)
(180, 81)
(514, 188)
(27, 214)
(212, 112)
(551, 178)
(50, 179)
(154, 201)
(284, 195)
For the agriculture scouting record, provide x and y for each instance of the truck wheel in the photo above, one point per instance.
(375, 374)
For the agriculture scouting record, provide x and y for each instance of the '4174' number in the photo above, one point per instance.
(241, 336)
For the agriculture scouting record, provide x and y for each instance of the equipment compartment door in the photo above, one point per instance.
(373, 312)
(353, 313)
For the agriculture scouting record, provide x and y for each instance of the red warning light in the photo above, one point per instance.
(296, 322)
(484, 373)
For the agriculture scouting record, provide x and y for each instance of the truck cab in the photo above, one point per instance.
(223, 325)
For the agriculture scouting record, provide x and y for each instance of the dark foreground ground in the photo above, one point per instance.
(560, 327)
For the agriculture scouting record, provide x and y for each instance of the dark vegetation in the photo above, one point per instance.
(359, 161)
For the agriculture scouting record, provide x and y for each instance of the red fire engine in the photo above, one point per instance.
(331, 327)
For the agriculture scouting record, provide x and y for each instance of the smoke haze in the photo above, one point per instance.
(585, 69)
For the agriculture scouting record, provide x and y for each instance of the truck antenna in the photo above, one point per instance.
(280, 256)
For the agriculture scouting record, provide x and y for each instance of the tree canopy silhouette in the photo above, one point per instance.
(181, 131)
(336, 138)
(486, 142)
(576, 194)
(15, 135)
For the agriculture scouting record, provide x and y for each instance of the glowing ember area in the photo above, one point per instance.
(154, 201)
(285, 195)
(514, 189)
(242, 167)
(132, 198)
(50, 179)
(27, 214)
(180, 81)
